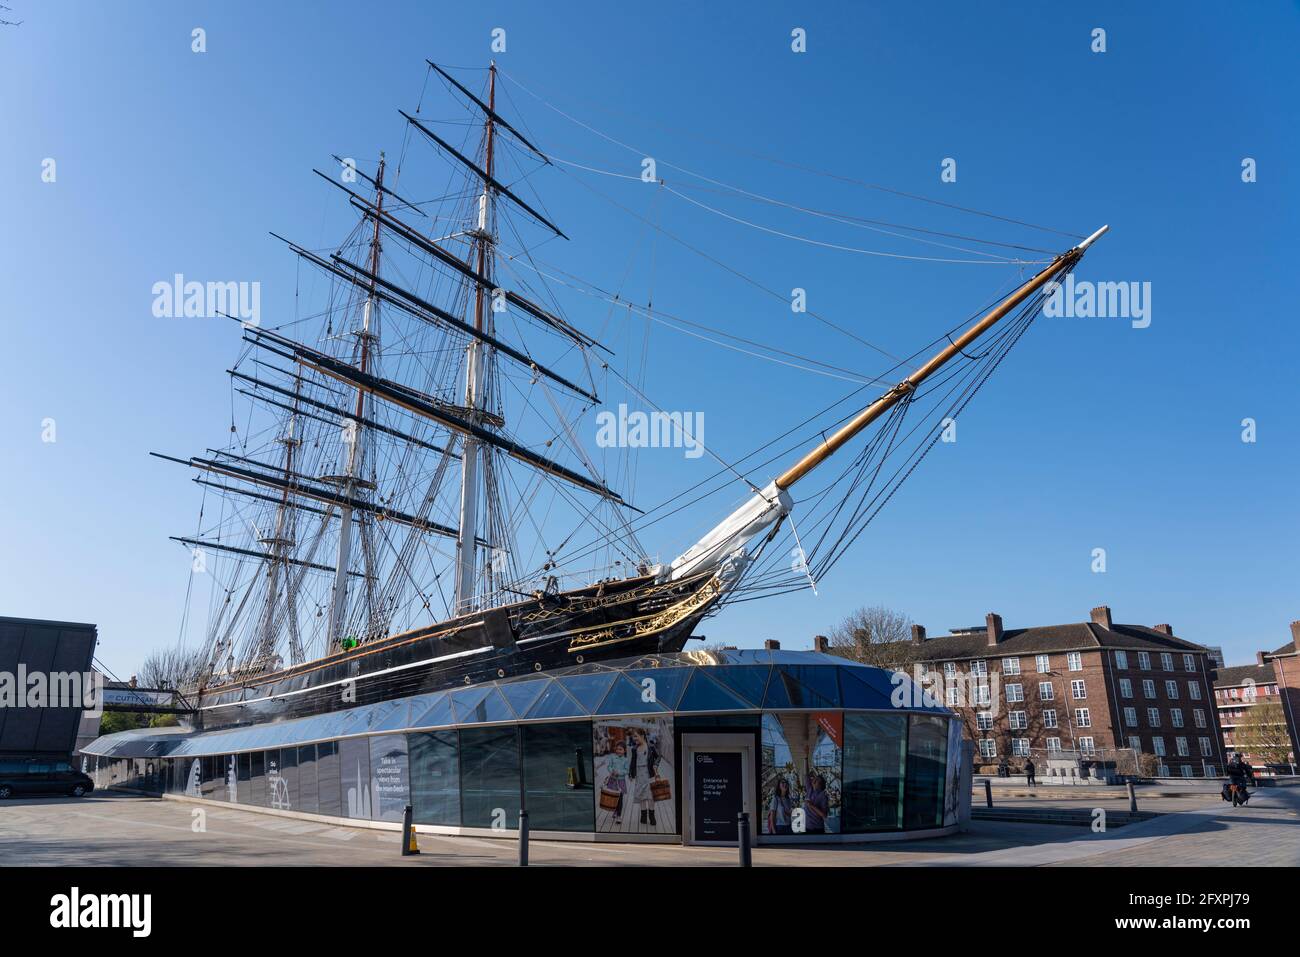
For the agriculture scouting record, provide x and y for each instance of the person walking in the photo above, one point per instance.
(1029, 771)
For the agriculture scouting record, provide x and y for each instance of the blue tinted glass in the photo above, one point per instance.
(628, 698)
(398, 718)
(588, 689)
(493, 707)
(705, 694)
(377, 714)
(790, 688)
(555, 703)
(464, 702)
(855, 694)
(748, 681)
(436, 715)
(521, 694)
(669, 683)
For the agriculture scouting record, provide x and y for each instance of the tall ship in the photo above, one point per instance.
(407, 500)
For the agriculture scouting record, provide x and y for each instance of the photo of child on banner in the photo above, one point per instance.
(634, 771)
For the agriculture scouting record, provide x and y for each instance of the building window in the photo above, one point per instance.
(1181, 745)
(1125, 688)
(1135, 742)
(1077, 690)
(1199, 717)
(1131, 717)
(1015, 692)
(1206, 747)
(558, 776)
(951, 695)
(1049, 717)
(1011, 666)
(984, 720)
(1082, 718)
(927, 759)
(1171, 689)
(1158, 746)
(1144, 661)
(1121, 659)
(1176, 717)
(1019, 721)
(1075, 661)
(435, 777)
(1194, 691)
(979, 667)
(1153, 717)
(1211, 770)
(1187, 770)
(1148, 688)
(1043, 663)
(988, 748)
(950, 669)
(1189, 662)
(1020, 747)
(1166, 661)
(981, 696)
(1045, 691)
(1086, 746)
(489, 776)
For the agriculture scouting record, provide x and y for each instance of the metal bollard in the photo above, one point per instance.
(407, 827)
(1132, 797)
(523, 838)
(988, 793)
(742, 825)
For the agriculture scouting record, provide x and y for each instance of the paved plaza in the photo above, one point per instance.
(112, 829)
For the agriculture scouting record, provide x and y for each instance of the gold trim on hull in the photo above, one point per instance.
(650, 624)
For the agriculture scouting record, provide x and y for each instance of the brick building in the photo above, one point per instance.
(1092, 687)
(1239, 690)
(1286, 671)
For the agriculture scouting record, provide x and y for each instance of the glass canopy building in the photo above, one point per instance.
(663, 747)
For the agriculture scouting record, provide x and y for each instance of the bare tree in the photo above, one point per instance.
(170, 668)
(1261, 733)
(876, 636)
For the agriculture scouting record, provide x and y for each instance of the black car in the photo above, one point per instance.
(42, 777)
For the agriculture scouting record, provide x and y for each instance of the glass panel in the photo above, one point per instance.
(490, 707)
(521, 695)
(627, 698)
(383, 711)
(230, 764)
(396, 719)
(435, 777)
(857, 693)
(489, 777)
(288, 793)
(927, 751)
(748, 681)
(634, 773)
(464, 702)
(354, 775)
(808, 687)
(436, 714)
(555, 702)
(875, 748)
(669, 683)
(307, 786)
(801, 772)
(557, 776)
(327, 775)
(245, 778)
(389, 777)
(705, 694)
(257, 785)
(588, 690)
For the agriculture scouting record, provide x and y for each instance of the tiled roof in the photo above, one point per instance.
(1238, 675)
(1079, 636)
(1287, 649)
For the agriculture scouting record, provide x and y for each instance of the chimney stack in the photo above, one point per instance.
(771, 644)
(1165, 630)
(1295, 634)
(820, 643)
(918, 634)
(1101, 616)
(1259, 657)
(994, 623)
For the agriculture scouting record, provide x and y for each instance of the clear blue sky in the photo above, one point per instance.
(1093, 434)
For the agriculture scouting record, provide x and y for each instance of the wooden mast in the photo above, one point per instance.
(895, 395)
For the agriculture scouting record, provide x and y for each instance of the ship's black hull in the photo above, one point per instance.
(613, 620)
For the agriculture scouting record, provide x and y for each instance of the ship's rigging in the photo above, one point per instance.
(412, 451)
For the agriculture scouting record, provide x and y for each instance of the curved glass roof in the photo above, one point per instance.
(746, 680)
